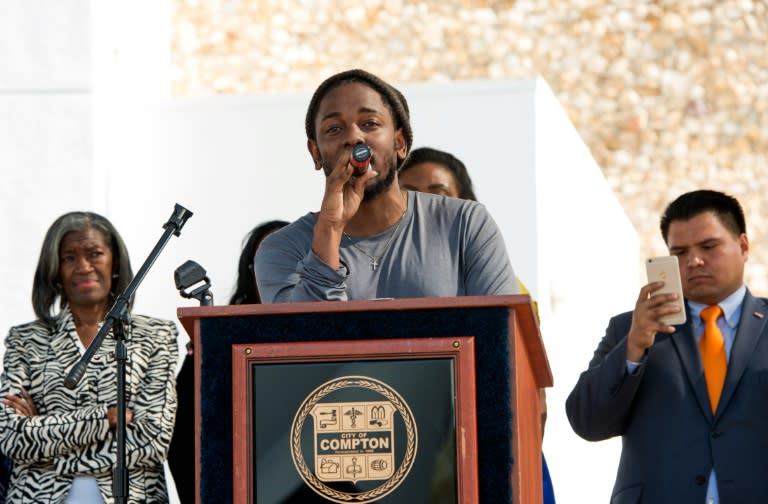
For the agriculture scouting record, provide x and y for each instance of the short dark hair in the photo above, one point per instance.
(392, 98)
(451, 162)
(687, 206)
(246, 291)
(46, 286)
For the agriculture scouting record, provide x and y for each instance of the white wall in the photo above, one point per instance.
(45, 134)
(85, 123)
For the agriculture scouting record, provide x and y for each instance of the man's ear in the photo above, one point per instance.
(315, 153)
(744, 245)
(400, 146)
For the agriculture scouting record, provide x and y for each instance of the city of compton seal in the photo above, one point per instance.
(354, 440)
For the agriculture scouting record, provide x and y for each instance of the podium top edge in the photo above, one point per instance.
(387, 304)
(519, 304)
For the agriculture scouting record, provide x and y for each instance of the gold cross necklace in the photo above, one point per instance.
(373, 258)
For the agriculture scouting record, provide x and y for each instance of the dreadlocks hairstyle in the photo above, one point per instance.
(691, 204)
(46, 286)
(392, 98)
(449, 161)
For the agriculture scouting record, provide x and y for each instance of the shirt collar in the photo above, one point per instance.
(731, 307)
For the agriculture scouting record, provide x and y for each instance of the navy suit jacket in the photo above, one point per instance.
(670, 438)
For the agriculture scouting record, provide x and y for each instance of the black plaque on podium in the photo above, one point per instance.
(354, 421)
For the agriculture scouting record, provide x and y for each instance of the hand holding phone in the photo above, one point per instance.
(666, 269)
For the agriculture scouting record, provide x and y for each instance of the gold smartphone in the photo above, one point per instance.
(666, 269)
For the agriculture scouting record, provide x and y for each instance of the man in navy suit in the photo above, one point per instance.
(646, 380)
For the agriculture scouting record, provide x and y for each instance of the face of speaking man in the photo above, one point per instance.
(355, 113)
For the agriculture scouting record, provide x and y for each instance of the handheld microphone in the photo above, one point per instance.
(361, 158)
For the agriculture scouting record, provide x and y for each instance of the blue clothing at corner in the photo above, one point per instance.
(549, 491)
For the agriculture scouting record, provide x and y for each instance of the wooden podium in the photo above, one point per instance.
(255, 364)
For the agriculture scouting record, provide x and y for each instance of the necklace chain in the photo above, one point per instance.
(373, 258)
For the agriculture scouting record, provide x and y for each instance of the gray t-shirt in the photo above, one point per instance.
(442, 247)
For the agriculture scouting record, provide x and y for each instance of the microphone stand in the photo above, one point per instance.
(117, 318)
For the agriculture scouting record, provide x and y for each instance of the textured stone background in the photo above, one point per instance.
(668, 95)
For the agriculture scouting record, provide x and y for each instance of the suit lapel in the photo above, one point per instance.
(685, 344)
(751, 327)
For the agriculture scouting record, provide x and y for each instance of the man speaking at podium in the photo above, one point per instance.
(370, 239)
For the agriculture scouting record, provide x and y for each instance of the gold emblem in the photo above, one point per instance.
(354, 441)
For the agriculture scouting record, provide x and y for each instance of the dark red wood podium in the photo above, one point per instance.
(322, 402)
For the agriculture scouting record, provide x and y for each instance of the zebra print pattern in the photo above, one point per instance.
(70, 435)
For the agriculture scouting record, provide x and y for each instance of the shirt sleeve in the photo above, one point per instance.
(600, 404)
(487, 268)
(285, 273)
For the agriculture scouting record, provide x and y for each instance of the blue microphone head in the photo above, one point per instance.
(361, 158)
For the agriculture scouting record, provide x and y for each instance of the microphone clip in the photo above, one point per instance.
(193, 283)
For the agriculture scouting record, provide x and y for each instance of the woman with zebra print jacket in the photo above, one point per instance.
(62, 441)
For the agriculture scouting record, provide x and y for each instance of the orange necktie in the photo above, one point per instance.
(712, 347)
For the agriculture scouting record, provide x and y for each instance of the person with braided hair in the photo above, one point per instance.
(438, 172)
(370, 238)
